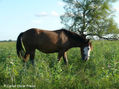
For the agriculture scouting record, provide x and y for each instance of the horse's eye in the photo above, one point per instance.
(88, 48)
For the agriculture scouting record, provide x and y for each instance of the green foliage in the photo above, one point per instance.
(101, 71)
(93, 17)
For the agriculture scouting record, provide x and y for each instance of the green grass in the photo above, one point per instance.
(100, 72)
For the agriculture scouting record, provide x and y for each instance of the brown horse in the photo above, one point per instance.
(49, 42)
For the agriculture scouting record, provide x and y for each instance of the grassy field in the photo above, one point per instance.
(100, 72)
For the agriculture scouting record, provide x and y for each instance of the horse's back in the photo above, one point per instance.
(46, 41)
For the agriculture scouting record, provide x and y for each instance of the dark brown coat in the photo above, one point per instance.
(48, 42)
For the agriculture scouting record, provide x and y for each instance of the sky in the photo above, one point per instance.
(17, 16)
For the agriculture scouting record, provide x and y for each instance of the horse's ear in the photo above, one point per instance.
(84, 36)
(88, 40)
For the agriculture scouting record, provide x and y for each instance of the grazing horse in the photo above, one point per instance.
(50, 42)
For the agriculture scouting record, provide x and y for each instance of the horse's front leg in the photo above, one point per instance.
(62, 54)
(65, 58)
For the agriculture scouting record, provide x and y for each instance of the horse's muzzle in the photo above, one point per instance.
(85, 58)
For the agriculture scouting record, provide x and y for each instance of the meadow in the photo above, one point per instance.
(101, 71)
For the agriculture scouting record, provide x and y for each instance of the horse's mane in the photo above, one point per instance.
(73, 35)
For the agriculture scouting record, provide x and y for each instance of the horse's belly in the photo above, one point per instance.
(46, 48)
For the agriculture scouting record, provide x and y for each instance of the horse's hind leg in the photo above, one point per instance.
(59, 56)
(32, 54)
(26, 57)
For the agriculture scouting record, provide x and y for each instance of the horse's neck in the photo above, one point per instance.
(75, 43)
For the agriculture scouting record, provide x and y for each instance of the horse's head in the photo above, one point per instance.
(85, 49)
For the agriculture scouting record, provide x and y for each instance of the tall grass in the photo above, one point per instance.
(101, 71)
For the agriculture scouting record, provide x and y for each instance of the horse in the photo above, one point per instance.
(57, 41)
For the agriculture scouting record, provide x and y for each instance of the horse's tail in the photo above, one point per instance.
(19, 46)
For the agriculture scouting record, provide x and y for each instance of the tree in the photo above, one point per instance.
(90, 17)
